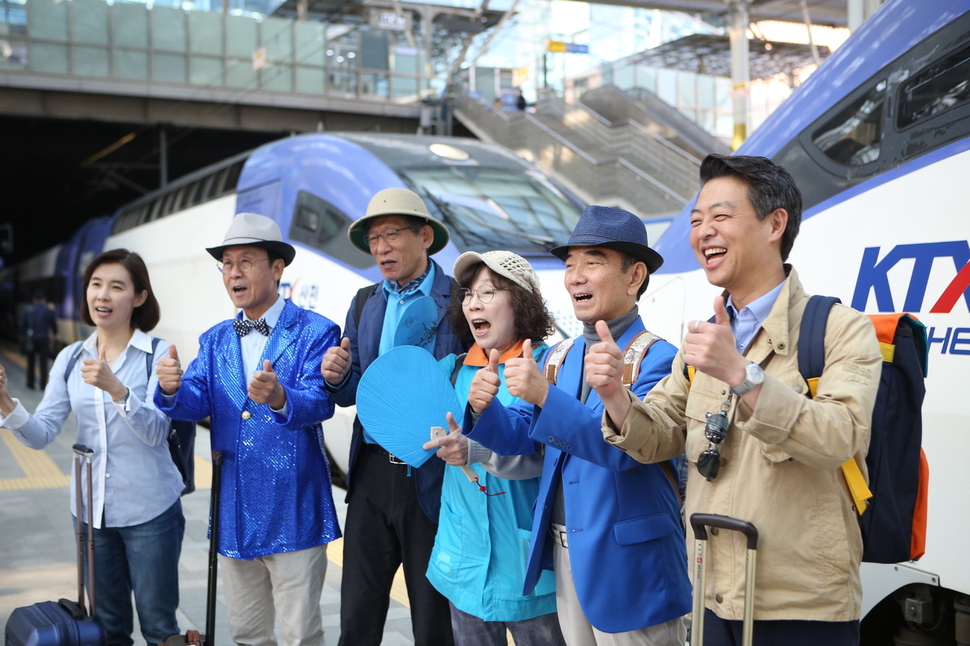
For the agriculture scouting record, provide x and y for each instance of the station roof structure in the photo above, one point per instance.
(831, 13)
(452, 18)
(711, 54)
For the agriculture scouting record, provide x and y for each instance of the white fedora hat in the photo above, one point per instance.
(252, 230)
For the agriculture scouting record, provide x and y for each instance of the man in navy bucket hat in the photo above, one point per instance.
(608, 526)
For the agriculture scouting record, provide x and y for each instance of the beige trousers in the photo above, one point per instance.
(577, 630)
(287, 586)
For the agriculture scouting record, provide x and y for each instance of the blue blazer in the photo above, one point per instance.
(626, 541)
(365, 343)
(276, 493)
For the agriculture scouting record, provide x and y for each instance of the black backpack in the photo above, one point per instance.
(893, 521)
(181, 436)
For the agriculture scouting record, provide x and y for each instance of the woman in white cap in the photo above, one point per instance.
(479, 556)
(107, 381)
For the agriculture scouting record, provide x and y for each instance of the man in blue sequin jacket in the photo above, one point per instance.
(257, 376)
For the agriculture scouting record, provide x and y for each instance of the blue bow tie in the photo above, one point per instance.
(245, 326)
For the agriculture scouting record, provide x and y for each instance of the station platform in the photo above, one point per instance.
(37, 538)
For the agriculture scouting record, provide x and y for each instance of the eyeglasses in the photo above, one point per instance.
(245, 265)
(485, 295)
(715, 430)
(389, 236)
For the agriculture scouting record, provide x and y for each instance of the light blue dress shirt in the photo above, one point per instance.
(745, 324)
(134, 478)
(397, 303)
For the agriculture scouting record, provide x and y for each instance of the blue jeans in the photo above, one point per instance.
(472, 631)
(142, 559)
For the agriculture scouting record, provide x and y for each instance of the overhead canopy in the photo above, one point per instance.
(711, 54)
(831, 13)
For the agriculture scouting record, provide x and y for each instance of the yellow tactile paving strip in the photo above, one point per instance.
(40, 472)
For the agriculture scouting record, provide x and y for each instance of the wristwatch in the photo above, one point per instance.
(753, 376)
(123, 400)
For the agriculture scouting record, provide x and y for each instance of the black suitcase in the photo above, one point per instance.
(194, 637)
(64, 622)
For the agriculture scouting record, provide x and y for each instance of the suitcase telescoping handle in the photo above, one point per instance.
(83, 453)
(214, 499)
(699, 523)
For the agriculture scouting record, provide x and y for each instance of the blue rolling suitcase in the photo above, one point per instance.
(64, 622)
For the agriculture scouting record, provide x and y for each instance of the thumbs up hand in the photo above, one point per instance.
(265, 388)
(484, 384)
(336, 363)
(524, 379)
(712, 349)
(169, 372)
(97, 372)
(603, 364)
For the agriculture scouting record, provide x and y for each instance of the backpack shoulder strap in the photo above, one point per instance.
(633, 356)
(361, 300)
(75, 355)
(811, 363)
(149, 357)
(556, 356)
(811, 339)
(459, 362)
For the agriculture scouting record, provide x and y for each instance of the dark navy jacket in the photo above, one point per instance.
(365, 343)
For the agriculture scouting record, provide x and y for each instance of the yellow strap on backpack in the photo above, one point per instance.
(858, 488)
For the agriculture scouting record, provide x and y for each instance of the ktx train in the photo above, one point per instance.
(878, 140)
(315, 186)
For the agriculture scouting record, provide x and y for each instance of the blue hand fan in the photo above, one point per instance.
(401, 395)
(418, 325)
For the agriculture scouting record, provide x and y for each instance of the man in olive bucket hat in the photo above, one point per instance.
(392, 511)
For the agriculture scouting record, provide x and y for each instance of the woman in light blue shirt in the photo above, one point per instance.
(107, 381)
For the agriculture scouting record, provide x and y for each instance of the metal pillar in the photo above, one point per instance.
(302, 10)
(858, 11)
(740, 74)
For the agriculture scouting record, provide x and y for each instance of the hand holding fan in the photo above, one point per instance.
(401, 395)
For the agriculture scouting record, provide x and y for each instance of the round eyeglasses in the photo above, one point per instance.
(485, 295)
(388, 236)
(244, 265)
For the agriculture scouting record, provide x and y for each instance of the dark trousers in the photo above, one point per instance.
(721, 632)
(386, 528)
(39, 355)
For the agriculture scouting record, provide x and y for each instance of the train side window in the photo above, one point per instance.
(156, 206)
(936, 89)
(853, 136)
(232, 177)
(321, 225)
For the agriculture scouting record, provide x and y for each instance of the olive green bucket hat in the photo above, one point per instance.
(397, 201)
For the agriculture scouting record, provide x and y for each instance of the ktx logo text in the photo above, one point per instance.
(874, 276)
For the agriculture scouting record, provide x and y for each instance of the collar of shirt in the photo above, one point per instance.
(253, 344)
(422, 282)
(746, 323)
(139, 340)
(397, 302)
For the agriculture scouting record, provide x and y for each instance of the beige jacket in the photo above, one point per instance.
(780, 464)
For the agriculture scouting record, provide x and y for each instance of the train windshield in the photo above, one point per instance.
(490, 208)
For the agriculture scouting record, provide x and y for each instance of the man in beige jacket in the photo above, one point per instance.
(778, 463)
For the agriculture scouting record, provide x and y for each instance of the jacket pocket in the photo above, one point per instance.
(644, 529)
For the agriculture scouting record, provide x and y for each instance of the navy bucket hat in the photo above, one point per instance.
(604, 226)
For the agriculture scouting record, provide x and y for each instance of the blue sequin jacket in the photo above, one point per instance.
(276, 492)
